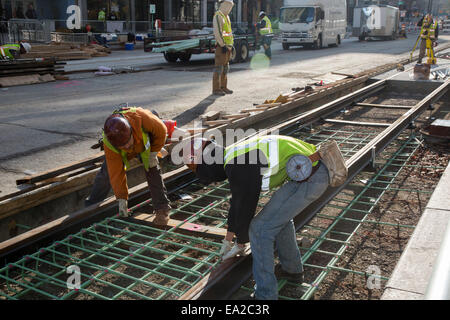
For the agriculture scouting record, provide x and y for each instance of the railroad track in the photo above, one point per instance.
(132, 259)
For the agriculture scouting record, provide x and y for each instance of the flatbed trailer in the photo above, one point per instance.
(183, 49)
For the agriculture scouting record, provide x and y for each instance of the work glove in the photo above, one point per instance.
(236, 250)
(226, 246)
(153, 159)
(224, 49)
(123, 208)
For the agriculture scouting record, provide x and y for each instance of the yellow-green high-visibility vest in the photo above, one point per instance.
(145, 155)
(102, 15)
(277, 149)
(267, 29)
(227, 32)
(5, 51)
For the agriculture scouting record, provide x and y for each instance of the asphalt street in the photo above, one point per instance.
(48, 125)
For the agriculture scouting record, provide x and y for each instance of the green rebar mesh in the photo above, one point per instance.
(120, 259)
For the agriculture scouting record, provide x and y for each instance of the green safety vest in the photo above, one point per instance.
(102, 16)
(145, 155)
(431, 30)
(5, 51)
(227, 32)
(267, 29)
(277, 149)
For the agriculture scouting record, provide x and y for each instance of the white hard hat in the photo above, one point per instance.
(261, 13)
(26, 46)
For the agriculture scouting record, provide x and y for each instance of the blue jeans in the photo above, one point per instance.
(274, 226)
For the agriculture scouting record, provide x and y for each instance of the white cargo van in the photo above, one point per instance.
(376, 21)
(313, 23)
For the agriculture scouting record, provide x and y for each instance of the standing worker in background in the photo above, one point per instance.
(264, 163)
(130, 133)
(428, 35)
(265, 31)
(102, 18)
(224, 47)
(13, 51)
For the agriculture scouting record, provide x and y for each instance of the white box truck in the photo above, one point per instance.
(376, 21)
(313, 23)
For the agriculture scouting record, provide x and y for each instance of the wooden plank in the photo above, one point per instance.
(210, 115)
(235, 116)
(99, 157)
(254, 109)
(216, 122)
(388, 106)
(268, 105)
(188, 227)
(343, 74)
(358, 123)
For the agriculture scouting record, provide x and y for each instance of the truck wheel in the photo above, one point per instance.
(285, 46)
(318, 43)
(185, 57)
(235, 53)
(243, 52)
(171, 57)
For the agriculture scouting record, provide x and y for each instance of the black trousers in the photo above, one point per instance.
(102, 186)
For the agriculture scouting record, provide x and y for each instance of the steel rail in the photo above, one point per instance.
(240, 268)
(210, 290)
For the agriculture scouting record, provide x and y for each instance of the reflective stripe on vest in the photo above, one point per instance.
(227, 32)
(145, 155)
(267, 29)
(277, 150)
(6, 50)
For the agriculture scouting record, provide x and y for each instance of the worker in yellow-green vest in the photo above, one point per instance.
(130, 133)
(223, 35)
(102, 18)
(428, 34)
(13, 51)
(265, 31)
(299, 170)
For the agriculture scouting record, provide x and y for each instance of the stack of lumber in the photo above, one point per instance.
(217, 118)
(65, 52)
(28, 71)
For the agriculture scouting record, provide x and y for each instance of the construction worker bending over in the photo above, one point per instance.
(265, 31)
(224, 46)
(262, 163)
(428, 35)
(13, 51)
(130, 133)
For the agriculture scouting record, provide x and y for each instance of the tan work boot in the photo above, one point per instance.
(162, 216)
(227, 91)
(218, 93)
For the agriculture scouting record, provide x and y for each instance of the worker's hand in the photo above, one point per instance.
(224, 49)
(226, 247)
(236, 250)
(153, 159)
(123, 208)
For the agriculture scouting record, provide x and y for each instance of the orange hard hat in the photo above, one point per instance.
(117, 130)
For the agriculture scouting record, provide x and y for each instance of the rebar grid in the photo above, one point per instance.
(120, 259)
(359, 206)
